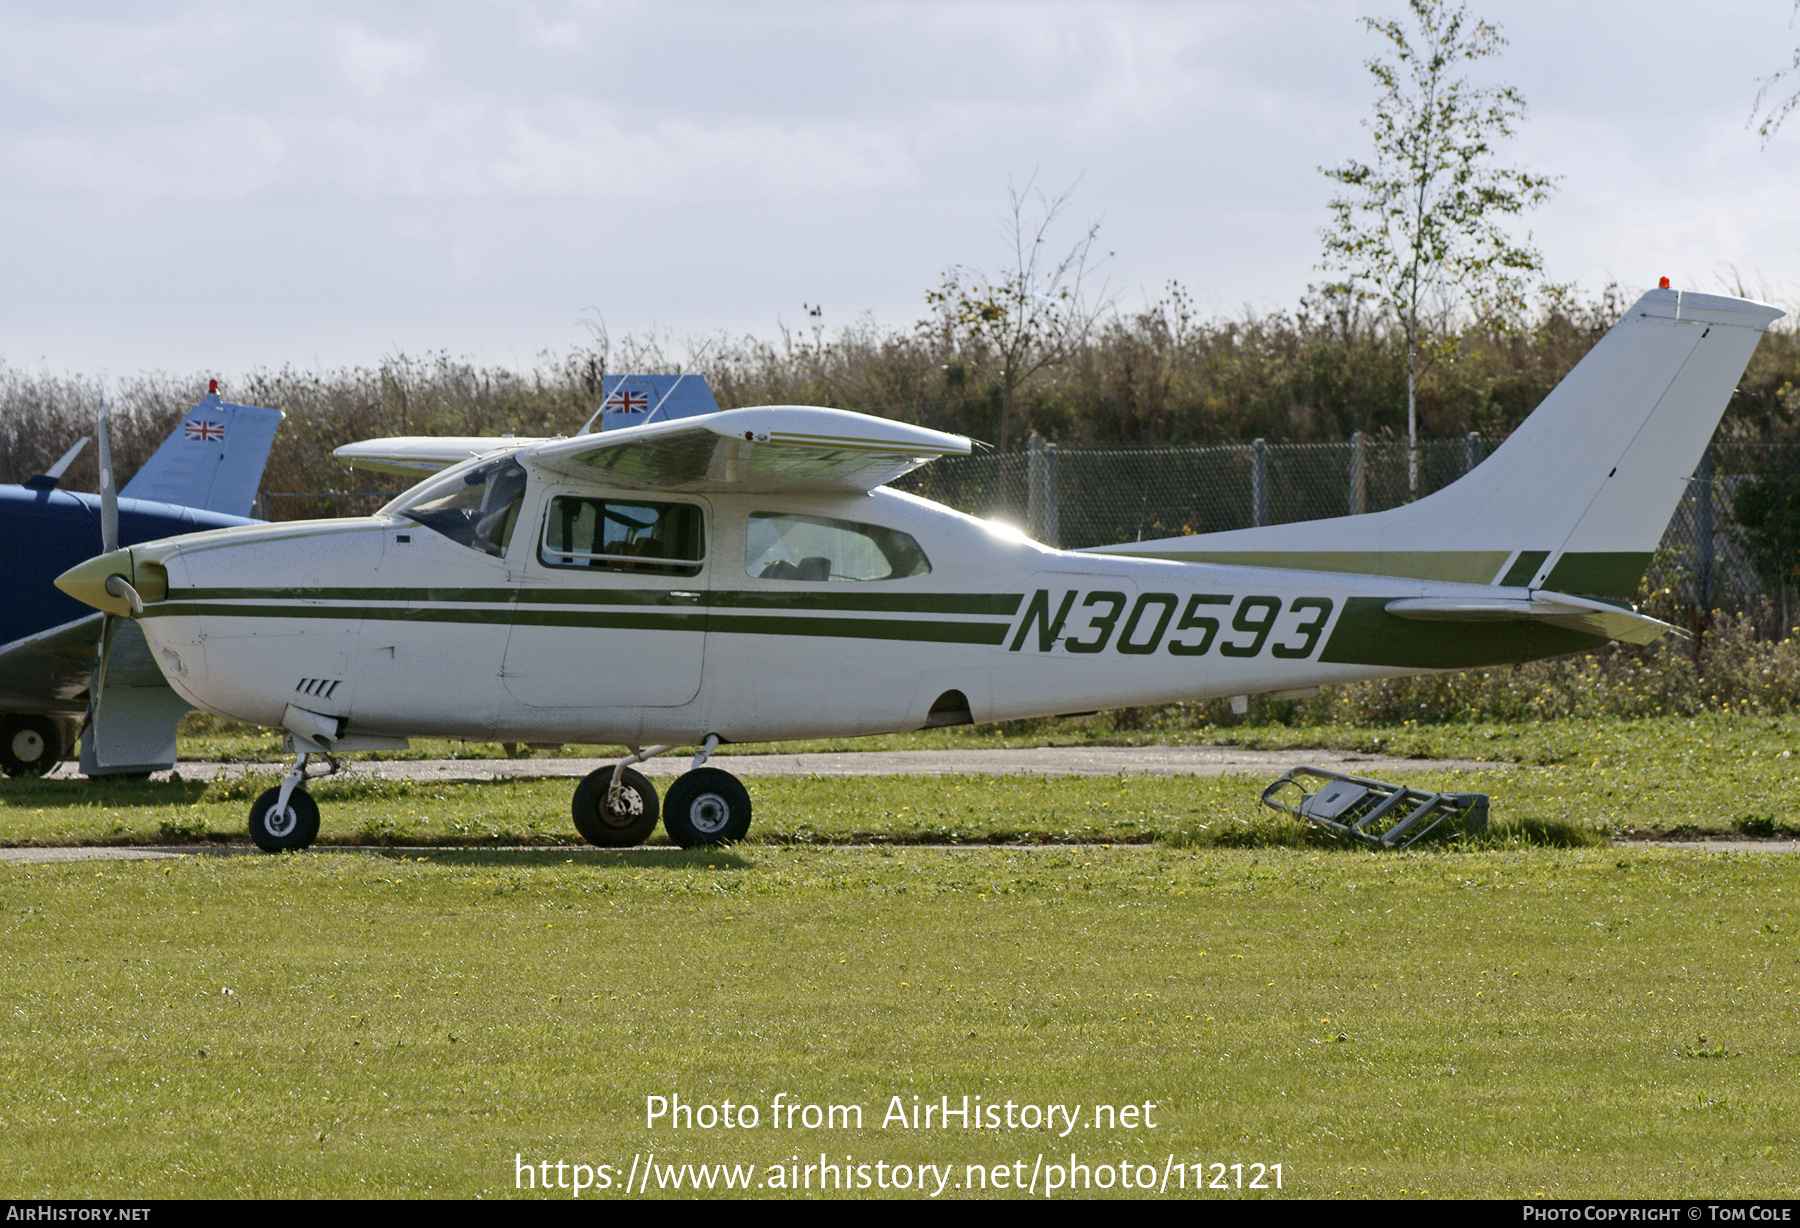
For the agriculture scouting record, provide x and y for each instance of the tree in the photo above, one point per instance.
(1030, 316)
(1420, 229)
(1766, 89)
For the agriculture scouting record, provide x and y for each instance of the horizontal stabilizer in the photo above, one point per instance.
(1555, 609)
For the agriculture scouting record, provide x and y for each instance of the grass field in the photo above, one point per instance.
(1558, 782)
(1499, 1017)
(1567, 1023)
(1536, 742)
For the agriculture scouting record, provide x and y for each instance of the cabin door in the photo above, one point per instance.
(611, 605)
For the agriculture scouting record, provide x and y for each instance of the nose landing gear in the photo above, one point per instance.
(287, 818)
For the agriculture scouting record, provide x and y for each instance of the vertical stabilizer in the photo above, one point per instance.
(213, 459)
(632, 400)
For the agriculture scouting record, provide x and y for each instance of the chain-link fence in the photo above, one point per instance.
(1080, 497)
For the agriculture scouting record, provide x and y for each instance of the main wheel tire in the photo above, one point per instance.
(630, 824)
(705, 807)
(29, 745)
(294, 828)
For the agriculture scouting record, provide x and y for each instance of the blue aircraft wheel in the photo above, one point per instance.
(628, 823)
(705, 807)
(29, 745)
(292, 828)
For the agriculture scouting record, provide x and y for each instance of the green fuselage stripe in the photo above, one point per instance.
(858, 628)
(1609, 575)
(1001, 604)
(693, 619)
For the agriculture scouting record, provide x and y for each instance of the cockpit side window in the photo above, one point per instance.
(784, 546)
(666, 539)
(479, 510)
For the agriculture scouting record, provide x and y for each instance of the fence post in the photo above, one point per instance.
(1034, 485)
(1259, 482)
(1040, 496)
(1359, 474)
(1703, 531)
(1471, 450)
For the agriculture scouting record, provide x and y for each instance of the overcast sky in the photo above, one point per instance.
(212, 187)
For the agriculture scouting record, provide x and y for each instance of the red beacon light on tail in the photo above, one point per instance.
(1662, 283)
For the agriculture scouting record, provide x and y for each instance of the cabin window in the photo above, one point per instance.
(783, 546)
(666, 539)
(476, 508)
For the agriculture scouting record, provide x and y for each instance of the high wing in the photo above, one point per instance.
(753, 451)
(412, 455)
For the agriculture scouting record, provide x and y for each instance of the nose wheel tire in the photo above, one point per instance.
(279, 831)
(29, 745)
(628, 823)
(705, 807)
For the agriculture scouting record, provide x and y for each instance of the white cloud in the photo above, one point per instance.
(372, 63)
(1104, 67)
(418, 159)
(472, 148)
(562, 35)
(231, 157)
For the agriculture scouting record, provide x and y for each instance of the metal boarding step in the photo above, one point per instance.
(1373, 811)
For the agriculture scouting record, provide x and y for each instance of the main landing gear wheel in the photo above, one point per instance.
(29, 745)
(705, 807)
(278, 831)
(628, 823)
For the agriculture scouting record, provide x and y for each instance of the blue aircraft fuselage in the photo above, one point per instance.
(45, 531)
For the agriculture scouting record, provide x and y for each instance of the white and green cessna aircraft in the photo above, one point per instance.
(745, 576)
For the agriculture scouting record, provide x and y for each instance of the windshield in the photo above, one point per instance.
(476, 507)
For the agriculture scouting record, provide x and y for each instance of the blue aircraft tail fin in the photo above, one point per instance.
(213, 459)
(632, 400)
